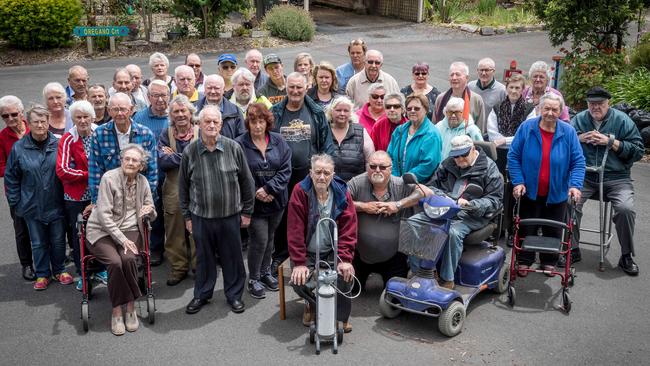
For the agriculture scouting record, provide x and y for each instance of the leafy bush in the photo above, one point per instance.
(583, 70)
(633, 88)
(641, 54)
(32, 24)
(207, 16)
(487, 7)
(290, 22)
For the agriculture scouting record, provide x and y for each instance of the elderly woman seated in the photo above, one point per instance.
(455, 125)
(115, 232)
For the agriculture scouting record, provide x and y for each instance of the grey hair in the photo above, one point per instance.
(242, 72)
(380, 154)
(454, 102)
(144, 156)
(297, 75)
(9, 100)
(250, 52)
(53, 87)
(158, 82)
(120, 71)
(322, 158)
(157, 56)
(185, 68)
(82, 106)
(551, 96)
(344, 100)
(539, 66)
(120, 95)
(76, 68)
(398, 96)
(210, 107)
(374, 87)
(38, 110)
(184, 101)
(376, 52)
(460, 65)
(214, 77)
(487, 61)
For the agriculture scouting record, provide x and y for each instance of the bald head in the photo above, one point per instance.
(214, 87)
(78, 80)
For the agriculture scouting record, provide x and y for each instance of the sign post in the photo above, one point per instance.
(101, 31)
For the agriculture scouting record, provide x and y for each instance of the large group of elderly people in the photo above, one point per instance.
(247, 152)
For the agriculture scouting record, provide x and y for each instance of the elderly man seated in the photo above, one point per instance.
(321, 195)
(466, 165)
(381, 200)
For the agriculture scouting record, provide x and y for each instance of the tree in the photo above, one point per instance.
(207, 15)
(602, 24)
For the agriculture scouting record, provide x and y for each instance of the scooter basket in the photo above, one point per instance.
(420, 237)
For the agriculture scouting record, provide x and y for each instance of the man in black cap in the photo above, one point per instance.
(275, 87)
(600, 128)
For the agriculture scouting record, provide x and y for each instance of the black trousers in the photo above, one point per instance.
(539, 209)
(343, 304)
(218, 237)
(281, 251)
(72, 209)
(23, 243)
(396, 266)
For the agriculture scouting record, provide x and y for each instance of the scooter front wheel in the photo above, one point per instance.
(451, 320)
(386, 309)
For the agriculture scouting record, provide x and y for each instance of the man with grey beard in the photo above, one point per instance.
(381, 200)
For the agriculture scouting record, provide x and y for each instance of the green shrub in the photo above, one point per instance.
(641, 53)
(583, 70)
(32, 24)
(632, 88)
(487, 7)
(290, 22)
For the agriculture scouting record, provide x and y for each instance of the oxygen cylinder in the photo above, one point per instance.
(326, 311)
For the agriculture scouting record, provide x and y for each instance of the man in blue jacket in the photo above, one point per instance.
(602, 128)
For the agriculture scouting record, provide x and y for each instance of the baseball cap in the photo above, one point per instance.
(227, 57)
(597, 94)
(460, 145)
(271, 58)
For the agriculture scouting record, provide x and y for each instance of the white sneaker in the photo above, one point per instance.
(117, 325)
(132, 322)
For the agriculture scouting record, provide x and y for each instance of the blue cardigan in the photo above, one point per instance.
(567, 160)
(423, 152)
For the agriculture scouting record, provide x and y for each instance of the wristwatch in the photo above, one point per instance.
(398, 204)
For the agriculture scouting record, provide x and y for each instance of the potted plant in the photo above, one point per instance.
(176, 31)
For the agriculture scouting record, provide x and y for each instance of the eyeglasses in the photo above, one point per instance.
(373, 62)
(377, 96)
(228, 67)
(381, 167)
(196, 66)
(464, 155)
(485, 70)
(325, 173)
(394, 106)
(455, 112)
(413, 109)
(158, 96)
(12, 115)
(420, 73)
(120, 110)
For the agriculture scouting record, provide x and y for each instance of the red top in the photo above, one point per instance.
(545, 166)
(7, 139)
(365, 119)
(382, 132)
(72, 166)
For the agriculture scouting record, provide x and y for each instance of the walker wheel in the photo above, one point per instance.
(151, 308)
(512, 295)
(312, 334)
(84, 315)
(451, 320)
(566, 301)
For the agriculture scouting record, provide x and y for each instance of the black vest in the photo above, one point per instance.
(348, 157)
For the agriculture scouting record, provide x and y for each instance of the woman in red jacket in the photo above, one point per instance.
(321, 194)
(72, 170)
(12, 112)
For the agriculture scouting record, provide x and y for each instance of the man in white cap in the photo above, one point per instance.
(466, 164)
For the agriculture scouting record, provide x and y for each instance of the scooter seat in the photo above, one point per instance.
(476, 237)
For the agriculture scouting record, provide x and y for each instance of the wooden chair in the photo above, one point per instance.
(281, 274)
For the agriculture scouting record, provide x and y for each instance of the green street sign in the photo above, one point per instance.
(106, 31)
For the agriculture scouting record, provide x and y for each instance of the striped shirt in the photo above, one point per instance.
(215, 184)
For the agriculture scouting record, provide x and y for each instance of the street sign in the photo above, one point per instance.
(104, 31)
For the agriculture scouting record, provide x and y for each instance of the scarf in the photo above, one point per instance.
(186, 136)
(509, 118)
(440, 115)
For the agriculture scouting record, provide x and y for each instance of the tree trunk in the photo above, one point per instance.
(204, 10)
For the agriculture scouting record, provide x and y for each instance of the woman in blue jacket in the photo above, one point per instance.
(36, 194)
(546, 167)
(416, 146)
(269, 159)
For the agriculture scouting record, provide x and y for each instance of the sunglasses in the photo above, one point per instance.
(381, 167)
(420, 73)
(464, 155)
(413, 109)
(226, 67)
(377, 96)
(12, 115)
(393, 106)
(454, 112)
(373, 62)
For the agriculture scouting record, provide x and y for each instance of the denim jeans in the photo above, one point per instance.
(260, 247)
(48, 246)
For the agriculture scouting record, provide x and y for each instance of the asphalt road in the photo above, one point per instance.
(609, 322)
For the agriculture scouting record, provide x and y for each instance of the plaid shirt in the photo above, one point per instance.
(105, 154)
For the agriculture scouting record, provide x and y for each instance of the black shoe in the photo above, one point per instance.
(274, 268)
(174, 280)
(195, 306)
(269, 282)
(256, 289)
(628, 266)
(155, 259)
(28, 273)
(576, 257)
(237, 306)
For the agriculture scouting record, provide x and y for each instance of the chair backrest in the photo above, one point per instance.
(489, 147)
